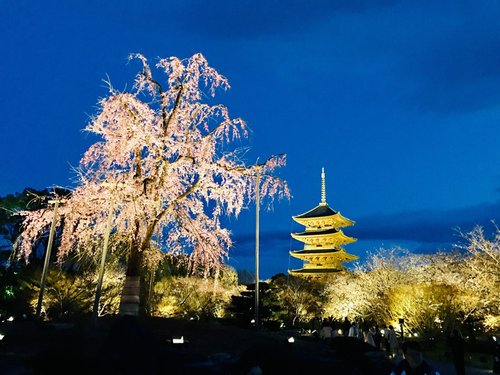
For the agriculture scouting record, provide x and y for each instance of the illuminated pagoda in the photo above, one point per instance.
(323, 253)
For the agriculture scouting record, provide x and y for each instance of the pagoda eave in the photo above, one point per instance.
(333, 221)
(332, 239)
(328, 257)
(315, 273)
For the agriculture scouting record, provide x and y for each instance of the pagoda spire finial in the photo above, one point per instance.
(323, 187)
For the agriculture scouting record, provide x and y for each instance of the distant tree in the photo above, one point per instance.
(15, 294)
(483, 275)
(194, 297)
(246, 277)
(165, 171)
(299, 299)
(28, 200)
(346, 296)
(71, 294)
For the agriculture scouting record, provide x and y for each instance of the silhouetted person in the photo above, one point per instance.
(393, 342)
(346, 324)
(457, 346)
(496, 357)
(377, 337)
(354, 330)
(413, 362)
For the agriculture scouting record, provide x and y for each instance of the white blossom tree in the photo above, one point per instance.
(166, 171)
(483, 274)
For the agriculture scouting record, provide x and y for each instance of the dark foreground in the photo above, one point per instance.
(130, 346)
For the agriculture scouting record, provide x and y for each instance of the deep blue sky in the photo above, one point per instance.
(398, 100)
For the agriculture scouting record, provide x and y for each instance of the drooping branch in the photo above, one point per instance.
(166, 122)
(152, 226)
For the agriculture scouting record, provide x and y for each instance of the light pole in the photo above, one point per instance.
(46, 263)
(257, 213)
(95, 311)
(107, 233)
(401, 323)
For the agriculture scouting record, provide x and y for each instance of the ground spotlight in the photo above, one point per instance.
(178, 340)
(291, 340)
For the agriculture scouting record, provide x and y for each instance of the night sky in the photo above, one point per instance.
(398, 100)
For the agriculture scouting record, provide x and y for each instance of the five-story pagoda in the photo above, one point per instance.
(323, 253)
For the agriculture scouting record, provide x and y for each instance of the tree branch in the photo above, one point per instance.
(166, 121)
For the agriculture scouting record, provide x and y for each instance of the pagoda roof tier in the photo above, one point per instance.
(331, 256)
(321, 252)
(323, 216)
(328, 237)
(312, 271)
(320, 210)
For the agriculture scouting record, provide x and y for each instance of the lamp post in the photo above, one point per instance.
(257, 213)
(401, 323)
(107, 233)
(95, 310)
(46, 262)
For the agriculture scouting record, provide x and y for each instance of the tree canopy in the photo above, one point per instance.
(166, 169)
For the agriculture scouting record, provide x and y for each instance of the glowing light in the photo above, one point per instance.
(340, 332)
(415, 334)
(10, 319)
(291, 340)
(494, 338)
(252, 321)
(178, 340)
(382, 332)
(1, 337)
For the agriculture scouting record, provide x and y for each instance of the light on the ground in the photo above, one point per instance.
(291, 340)
(415, 334)
(10, 319)
(339, 332)
(178, 340)
(1, 337)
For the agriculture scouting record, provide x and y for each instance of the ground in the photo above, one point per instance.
(131, 346)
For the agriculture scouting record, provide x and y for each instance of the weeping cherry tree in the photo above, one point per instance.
(165, 172)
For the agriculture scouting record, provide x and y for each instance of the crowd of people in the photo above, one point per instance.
(383, 338)
(406, 354)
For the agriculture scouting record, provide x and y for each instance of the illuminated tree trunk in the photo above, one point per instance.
(130, 298)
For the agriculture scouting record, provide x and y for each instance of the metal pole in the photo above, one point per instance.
(95, 311)
(151, 281)
(257, 211)
(47, 257)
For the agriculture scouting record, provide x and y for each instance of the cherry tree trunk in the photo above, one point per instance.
(130, 298)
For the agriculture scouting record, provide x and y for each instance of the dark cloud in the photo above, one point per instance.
(429, 228)
(273, 243)
(426, 226)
